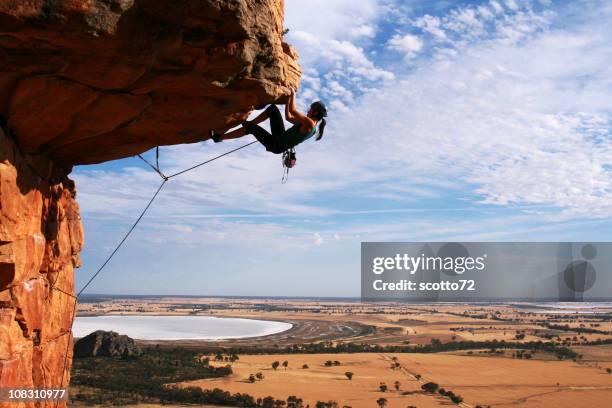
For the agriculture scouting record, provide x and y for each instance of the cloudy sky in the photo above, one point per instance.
(449, 120)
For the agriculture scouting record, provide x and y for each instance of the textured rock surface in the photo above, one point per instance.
(106, 344)
(85, 81)
(40, 239)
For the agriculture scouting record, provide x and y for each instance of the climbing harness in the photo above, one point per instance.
(289, 160)
(165, 179)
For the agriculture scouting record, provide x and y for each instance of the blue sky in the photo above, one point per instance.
(475, 121)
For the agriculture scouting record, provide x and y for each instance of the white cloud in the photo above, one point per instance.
(364, 30)
(339, 106)
(512, 4)
(520, 123)
(337, 50)
(471, 23)
(468, 17)
(485, 12)
(330, 19)
(331, 37)
(496, 6)
(338, 90)
(305, 38)
(407, 44)
(371, 73)
(345, 64)
(431, 25)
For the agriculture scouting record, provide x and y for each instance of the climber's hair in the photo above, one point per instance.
(320, 111)
(321, 129)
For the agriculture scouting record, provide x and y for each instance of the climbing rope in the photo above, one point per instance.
(210, 160)
(155, 168)
(129, 232)
(125, 237)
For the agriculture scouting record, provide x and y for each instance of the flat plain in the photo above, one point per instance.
(497, 355)
(485, 381)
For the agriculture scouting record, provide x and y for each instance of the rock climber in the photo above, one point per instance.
(280, 140)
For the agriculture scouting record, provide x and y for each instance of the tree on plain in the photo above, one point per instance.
(430, 387)
(294, 402)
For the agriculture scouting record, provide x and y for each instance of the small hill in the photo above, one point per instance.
(106, 344)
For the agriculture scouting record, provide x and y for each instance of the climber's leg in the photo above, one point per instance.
(276, 119)
(277, 125)
(272, 142)
(234, 134)
(264, 137)
(250, 127)
(261, 117)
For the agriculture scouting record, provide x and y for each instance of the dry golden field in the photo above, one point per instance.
(479, 380)
(319, 382)
(483, 376)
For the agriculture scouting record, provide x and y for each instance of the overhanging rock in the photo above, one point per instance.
(86, 81)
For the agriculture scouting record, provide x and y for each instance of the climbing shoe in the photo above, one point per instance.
(214, 136)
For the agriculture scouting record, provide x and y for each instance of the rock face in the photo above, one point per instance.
(106, 344)
(40, 239)
(86, 81)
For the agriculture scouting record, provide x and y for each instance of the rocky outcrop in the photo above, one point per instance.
(40, 239)
(106, 344)
(85, 81)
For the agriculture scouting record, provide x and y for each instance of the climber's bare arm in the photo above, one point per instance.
(288, 116)
(294, 116)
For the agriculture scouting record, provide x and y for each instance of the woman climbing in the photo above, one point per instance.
(304, 126)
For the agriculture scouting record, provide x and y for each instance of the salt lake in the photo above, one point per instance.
(178, 327)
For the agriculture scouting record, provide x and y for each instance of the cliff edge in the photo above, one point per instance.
(87, 81)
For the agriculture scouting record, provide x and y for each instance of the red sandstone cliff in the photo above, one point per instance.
(85, 81)
(40, 239)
